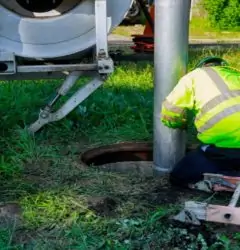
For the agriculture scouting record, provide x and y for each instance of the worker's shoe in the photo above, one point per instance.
(204, 185)
(208, 186)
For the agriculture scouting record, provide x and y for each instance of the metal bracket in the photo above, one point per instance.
(45, 115)
(7, 63)
(105, 63)
(227, 182)
(192, 213)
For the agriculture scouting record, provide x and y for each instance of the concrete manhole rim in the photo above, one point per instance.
(140, 151)
(115, 148)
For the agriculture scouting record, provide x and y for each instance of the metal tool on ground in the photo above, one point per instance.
(195, 212)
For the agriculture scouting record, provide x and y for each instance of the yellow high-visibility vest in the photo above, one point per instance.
(214, 95)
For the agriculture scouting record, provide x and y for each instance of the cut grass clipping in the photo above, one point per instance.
(64, 205)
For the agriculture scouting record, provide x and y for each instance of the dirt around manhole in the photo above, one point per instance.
(130, 167)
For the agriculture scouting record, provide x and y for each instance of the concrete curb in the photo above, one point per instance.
(117, 39)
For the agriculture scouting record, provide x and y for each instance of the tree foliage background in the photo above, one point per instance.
(223, 14)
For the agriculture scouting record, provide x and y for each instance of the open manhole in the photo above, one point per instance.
(127, 157)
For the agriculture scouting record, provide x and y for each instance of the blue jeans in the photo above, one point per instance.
(191, 168)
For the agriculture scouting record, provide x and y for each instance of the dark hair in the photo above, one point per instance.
(212, 64)
(211, 61)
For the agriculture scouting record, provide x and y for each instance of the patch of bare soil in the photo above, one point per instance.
(10, 213)
(141, 182)
(36, 172)
(132, 167)
(103, 206)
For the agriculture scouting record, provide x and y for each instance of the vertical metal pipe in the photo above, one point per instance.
(170, 63)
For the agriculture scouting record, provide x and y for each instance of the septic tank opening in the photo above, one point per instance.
(126, 157)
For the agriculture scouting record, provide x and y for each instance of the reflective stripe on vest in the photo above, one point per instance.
(172, 108)
(218, 99)
(220, 116)
(174, 119)
(221, 85)
(226, 94)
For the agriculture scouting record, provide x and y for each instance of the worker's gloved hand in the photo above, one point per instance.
(184, 127)
(175, 125)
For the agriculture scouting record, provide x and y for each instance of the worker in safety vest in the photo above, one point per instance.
(212, 91)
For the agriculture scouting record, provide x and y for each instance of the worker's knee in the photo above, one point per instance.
(176, 181)
(190, 169)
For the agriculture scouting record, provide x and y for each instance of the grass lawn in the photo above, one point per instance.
(65, 205)
(199, 29)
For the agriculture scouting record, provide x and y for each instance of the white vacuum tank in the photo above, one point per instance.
(53, 28)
